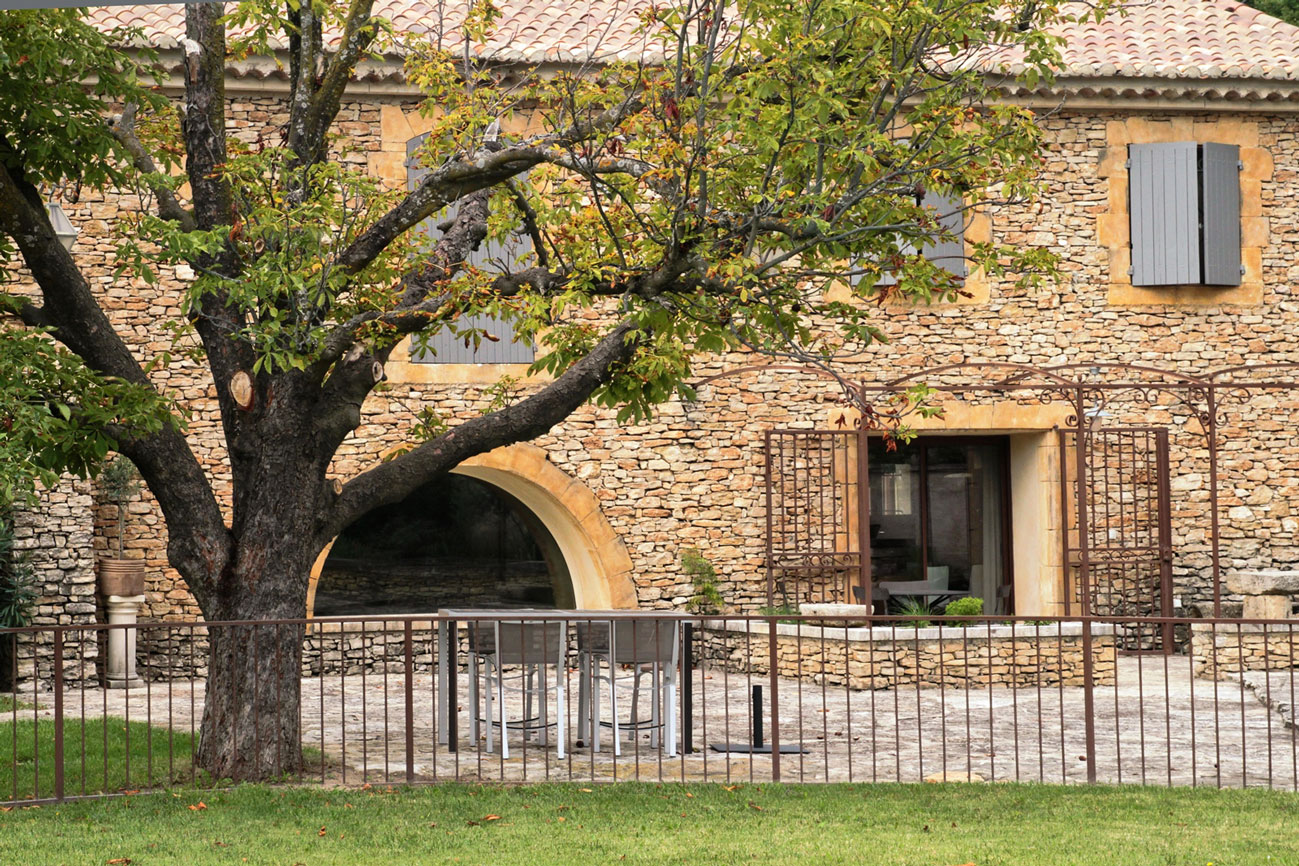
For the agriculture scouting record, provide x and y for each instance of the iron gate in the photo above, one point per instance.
(1118, 531)
(818, 517)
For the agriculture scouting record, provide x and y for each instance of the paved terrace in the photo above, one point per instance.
(1157, 726)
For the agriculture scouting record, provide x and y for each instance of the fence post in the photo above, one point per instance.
(775, 698)
(1089, 698)
(409, 658)
(58, 716)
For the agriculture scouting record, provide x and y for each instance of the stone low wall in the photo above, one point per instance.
(885, 658)
(1224, 649)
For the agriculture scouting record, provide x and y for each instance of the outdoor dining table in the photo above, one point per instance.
(451, 620)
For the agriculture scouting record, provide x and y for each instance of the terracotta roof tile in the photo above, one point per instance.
(1178, 39)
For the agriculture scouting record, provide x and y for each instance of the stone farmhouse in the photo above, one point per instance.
(1172, 201)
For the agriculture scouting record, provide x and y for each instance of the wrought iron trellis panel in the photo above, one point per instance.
(818, 516)
(1128, 528)
(1086, 388)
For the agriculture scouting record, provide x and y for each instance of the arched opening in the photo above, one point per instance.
(459, 541)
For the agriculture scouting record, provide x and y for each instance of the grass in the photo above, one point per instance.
(898, 825)
(150, 764)
(8, 703)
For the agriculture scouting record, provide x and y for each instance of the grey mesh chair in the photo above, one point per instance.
(646, 646)
(530, 646)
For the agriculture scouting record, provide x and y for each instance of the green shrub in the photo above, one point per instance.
(703, 578)
(970, 606)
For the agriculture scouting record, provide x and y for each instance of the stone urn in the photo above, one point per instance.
(121, 577)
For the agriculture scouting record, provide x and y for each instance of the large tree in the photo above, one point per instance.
(756, 179)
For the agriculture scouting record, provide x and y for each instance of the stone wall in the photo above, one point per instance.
(693, 477)
(889, 658)
(1222, 650)
(56, 537)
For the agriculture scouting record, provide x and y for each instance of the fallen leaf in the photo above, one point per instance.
(754, 806)
(585, 790)
(122, 860)
(322, 832)
(195, 807)
(491, 817)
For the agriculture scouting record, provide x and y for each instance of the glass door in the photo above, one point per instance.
(939, 526)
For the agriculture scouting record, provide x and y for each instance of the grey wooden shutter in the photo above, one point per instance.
(948, 253)
(1220, 207)
(448, 348)
(445, 347)
(1163, 210)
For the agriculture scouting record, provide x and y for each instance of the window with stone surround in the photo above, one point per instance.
(946, 252)
(1114, 224)
(501, 346)
(1184, 213)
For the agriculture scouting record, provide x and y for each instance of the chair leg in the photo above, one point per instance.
(560, 715)
(489, 667)
(473, 700)
(672, 712)
(613, 707)
(656, 701)
(545, 707)
(528, 680)
(583, 697)
(500, 694)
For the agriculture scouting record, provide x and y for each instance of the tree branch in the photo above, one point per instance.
(308, 139)
(169, 207)
(198, 538)
(392, 481)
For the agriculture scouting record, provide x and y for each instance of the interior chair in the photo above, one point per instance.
(530, 647)
(647, 646)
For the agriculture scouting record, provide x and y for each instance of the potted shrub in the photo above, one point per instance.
(119, 484)
(18, 594)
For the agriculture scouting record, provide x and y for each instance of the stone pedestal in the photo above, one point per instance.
(1268, 593)
(122, 610)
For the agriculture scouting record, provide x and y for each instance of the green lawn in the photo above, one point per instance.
(157, 757)
(926, 825)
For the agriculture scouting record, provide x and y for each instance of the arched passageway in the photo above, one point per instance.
(505, 529)
(457, 542)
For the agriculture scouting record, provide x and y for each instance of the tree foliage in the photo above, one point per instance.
(755, 180)
(1286, 10)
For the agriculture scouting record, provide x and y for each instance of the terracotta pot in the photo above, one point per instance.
(124, 577)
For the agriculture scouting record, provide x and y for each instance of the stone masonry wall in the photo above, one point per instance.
(55, 535)
(1218, 651)
(693, 476)
(886, 658)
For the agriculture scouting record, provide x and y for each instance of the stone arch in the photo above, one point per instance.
(598, 563)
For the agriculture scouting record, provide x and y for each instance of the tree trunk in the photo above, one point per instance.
(251, 726)
(252, 715)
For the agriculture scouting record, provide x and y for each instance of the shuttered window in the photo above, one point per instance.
(948, 253)
(1184, 213)
(491, 256)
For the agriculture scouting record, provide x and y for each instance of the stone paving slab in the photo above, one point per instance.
(1157, 725)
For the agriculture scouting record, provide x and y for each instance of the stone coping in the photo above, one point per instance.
(1228, 630)
(889, 634)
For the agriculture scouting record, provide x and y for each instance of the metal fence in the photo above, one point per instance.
(395, 700)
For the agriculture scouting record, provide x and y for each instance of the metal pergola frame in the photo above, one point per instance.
(1087, 387)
